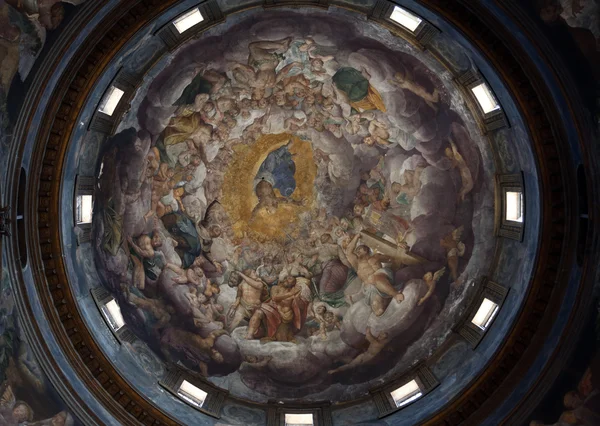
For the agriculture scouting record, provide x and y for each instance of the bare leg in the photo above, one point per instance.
(453, 265)
(382, 283)
(238, 317)
(263, 49)
(139, 276)
(254, 324)
(379, 305)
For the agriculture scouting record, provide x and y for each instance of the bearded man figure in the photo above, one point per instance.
(283, 316)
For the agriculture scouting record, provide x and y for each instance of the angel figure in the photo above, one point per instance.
(454, 249)
(406, 80)
(259, 74)
(208, 230)
(378, 133)
(431, 279)
(13, 412)
(465, 173)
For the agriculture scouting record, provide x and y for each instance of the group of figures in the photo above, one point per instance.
(26, 397)
(581, 405)
(287, 200)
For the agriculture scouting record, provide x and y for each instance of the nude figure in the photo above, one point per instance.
(431, 280)
(376, 345)
(147, 261)
(278, 312)
(378, 133)
(454, 249)
(250, 295)
(377, 287)
(263, 58)
(465, 173)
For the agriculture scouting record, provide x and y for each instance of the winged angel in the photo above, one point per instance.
(14, 412)
(431, 280)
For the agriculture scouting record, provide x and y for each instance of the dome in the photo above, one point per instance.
(320, 212)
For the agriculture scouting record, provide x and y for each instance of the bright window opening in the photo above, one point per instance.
(405, 18)
(113, 315)
(192, 394)
(84, 209)
(514, 206)
(188, 20)
(111, 100)
(407, 393)
(485, 98)
(485, 314)
(299, 419)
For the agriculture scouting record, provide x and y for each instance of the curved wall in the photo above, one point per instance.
(449, 365)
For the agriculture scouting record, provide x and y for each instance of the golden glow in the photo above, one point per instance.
(239, 198)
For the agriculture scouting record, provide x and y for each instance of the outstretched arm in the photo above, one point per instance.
(175, 268)
(278, 298)
(352, 258)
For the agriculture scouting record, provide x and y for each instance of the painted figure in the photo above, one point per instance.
(283, 316)
(377, 287)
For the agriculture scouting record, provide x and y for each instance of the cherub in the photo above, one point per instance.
(376, 345)
(455, 249)
(320, 312)
(431, 280)
(199, 311)
(13, 412)
(332, 321)
(193, 275)
(378, 133)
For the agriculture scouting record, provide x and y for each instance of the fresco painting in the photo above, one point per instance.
(26, 396)
(289, 201)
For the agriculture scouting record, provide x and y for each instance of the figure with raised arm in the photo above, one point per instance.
(377, 287)
(251, 292)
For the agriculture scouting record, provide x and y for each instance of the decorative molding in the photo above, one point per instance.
(321, 413)
(488, 290)
(5, 221)
(382, 396)
(58, 301)
(488, 122)
(421, 37)
(508, 228)
(296, 3)
(215, 399)
(84, 233)
(211, 14)
(85, 185)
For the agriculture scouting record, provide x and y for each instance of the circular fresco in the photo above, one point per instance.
(291, 208)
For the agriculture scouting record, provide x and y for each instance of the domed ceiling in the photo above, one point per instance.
(297, 206)
(280, 210)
